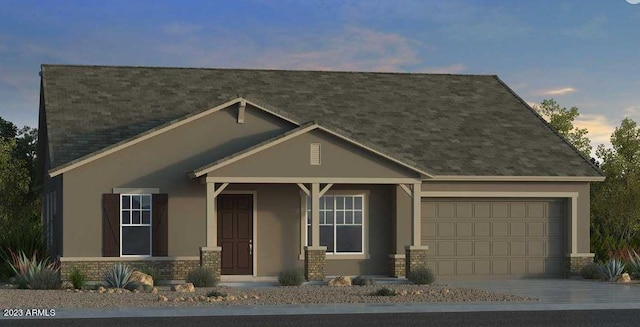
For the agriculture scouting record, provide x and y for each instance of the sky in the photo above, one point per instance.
(582, 53)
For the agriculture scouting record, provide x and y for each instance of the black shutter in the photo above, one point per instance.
(160, 223)
(110, 225)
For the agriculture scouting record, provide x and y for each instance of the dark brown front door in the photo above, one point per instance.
(235, 233)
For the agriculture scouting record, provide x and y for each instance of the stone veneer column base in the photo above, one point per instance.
(396, 265)
(575, 262)
(210, 258)
(415, 256)
(315, 260)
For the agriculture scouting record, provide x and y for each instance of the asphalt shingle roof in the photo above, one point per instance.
(443, 124)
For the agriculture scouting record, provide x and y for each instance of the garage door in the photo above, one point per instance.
(494, 238)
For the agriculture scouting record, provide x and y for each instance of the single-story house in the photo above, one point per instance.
(249, 171)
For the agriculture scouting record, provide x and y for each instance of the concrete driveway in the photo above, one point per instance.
(565, 291)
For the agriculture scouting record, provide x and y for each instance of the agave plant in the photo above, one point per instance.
(26, 267)
(118, 276)
(634, 264)
(611, 269)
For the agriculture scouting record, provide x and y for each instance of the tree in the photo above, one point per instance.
(615, 203)
(561, 119)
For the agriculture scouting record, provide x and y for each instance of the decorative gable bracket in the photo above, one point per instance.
(241, 106)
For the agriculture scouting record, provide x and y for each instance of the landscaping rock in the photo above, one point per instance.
(624, 278)
(101, 289)
(67, 285)
(154, 290)
(340, 281)
(184, 288)
(162, 298)
(141, 278)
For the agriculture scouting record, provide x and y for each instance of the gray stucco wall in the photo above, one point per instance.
(160, 162)
(291, 158)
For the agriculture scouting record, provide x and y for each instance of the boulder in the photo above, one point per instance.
(340, 281)
(141, 278)
(624, 278)
(185, 288)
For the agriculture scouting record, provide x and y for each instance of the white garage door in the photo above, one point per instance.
(494, 238)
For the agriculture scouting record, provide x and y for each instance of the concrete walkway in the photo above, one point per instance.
(552, 294)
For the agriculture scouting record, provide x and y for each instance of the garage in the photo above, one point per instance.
(494, 238)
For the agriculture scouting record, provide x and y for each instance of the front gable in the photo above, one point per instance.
(309, 152)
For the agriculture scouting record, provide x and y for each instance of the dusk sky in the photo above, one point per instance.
(583, 53)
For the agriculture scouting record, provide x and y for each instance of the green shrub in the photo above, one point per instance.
(118, 276)
(216, 294)
(77, 277)
(590, 271)
(385, 292)
(202, 277)
(633, 264)
(291, 277)
(421, 276)
(611, 269)
(46, 279)
(362, 281)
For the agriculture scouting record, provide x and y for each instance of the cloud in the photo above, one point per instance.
(558, 91)
(599, 126)
(451, 69)
(352, 48)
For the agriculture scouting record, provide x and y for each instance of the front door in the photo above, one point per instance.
(235, 233)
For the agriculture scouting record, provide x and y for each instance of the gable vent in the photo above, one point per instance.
(315, 154)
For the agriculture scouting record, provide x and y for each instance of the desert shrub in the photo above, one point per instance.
(611, 269)
(385, 292)
(118, 276)
(77, 277)
(46, 279)
(590, 271)
(202, 277)
(291, 277)
(216, 294)
(25, 267)
(362, 281)
(421, 276)
(633, 264)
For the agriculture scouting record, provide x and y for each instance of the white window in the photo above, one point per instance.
(341, 223)
(135, 227)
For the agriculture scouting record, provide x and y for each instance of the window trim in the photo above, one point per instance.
(150, 225)
(365, 225)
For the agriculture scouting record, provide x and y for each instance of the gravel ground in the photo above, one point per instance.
(307, 294)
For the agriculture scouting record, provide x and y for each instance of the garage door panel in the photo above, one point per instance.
(464, 248)
(464, 267)
(464, 229)
(445, 229)
(482, 229)
(500, 229)
(495, 238)
(446, 248)
(428, 229)
(500, 267)
(482, 248)
(536, 210)
(535, 229)
(500, 248)
(518, 210)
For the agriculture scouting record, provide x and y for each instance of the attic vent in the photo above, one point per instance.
(241, 106)
(315, 154)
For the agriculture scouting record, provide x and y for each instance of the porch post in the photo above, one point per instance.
(315, 214)
(315, 255)
(415, 254)
(212, 221)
